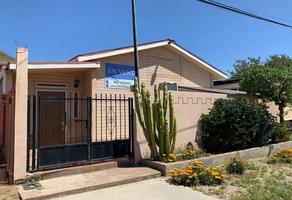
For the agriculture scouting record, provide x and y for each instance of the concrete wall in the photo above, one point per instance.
(189, 107)
(20, 125)
(219, 159)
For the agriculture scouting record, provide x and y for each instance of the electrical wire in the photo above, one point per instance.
(243, 12)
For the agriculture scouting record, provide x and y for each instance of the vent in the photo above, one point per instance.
(170, 86)
(51, 85)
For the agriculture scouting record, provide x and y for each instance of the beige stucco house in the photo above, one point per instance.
(81, 110)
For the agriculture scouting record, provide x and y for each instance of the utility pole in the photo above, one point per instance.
(136, 56)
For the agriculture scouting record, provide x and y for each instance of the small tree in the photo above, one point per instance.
(271, 81)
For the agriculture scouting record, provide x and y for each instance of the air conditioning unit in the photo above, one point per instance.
(170, 86)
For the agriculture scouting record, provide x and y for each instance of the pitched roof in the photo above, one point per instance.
(5, 58)
(167, 42)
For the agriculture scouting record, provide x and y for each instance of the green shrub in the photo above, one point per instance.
(235, 165)
(280, 133)
(234, 124)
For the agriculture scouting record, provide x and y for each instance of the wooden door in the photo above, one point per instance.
(52, 118)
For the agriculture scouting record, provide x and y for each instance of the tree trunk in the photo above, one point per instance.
(281, 113)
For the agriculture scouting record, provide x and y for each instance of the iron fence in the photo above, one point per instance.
(65, 129)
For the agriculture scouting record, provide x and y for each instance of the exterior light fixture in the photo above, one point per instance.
(76, 83)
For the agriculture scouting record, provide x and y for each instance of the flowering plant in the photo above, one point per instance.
(170, 158)
(197, 173)
(283, 156)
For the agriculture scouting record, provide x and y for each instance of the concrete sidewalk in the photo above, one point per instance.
(154, 189)
(90, 181)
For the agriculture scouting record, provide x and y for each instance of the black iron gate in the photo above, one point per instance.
(72, 130)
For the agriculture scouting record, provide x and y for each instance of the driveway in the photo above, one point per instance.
(153, 189)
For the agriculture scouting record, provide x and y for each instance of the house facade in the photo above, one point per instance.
(82, 111)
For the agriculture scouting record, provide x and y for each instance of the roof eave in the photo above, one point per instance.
(120, 51)
(67, 65)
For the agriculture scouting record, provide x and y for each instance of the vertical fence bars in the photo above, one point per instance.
(32, 148)
(104, 124)
(112, 117)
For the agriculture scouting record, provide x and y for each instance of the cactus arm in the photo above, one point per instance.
(161, 128)
(150, 125)
(138, 104)
(155, 122)
(171, 115)
(174, 135)
(155, 114)
(165, 98)
(166, 138)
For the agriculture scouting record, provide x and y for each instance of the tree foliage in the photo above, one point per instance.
(270, 80)
(242, 66)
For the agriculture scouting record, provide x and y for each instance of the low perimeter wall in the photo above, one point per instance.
(217, 160)
(188, 108)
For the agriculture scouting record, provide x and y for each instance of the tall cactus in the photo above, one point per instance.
(158, 127)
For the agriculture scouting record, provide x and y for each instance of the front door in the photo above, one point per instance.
(52, 118)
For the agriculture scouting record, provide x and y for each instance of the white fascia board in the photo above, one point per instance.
(120, 51)
(60, 66)
(222, 75)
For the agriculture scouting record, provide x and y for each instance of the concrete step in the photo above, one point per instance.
(72, 184)
(48, 174)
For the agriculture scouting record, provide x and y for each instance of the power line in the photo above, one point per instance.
(243, 12)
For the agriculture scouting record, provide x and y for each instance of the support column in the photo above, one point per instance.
(20, 125)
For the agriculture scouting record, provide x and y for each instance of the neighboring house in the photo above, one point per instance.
(230, 84)
(5, 58)
(82, 110)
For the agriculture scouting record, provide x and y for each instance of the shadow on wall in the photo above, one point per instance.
(154, 76)
(199, 133)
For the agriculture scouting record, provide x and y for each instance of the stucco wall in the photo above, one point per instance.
(189, 107)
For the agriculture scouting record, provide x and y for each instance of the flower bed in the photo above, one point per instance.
(217, 160)
(261, 179)
(197, 173)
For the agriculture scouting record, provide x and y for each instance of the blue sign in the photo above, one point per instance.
(119, 76)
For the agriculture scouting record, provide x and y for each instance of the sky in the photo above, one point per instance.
(57, 30)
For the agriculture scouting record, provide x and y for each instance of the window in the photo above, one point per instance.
(75, 105)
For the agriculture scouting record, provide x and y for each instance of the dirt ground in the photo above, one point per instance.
(8, 192)
(260, 181)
